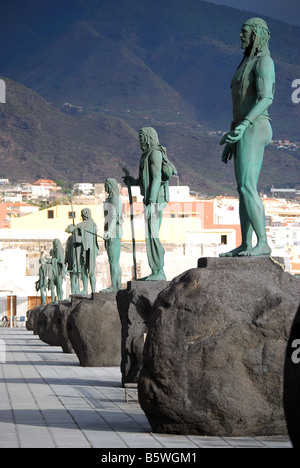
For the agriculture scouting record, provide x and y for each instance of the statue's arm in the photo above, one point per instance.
(155, 160)
(265, 84)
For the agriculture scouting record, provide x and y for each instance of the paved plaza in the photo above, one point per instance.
(49, 401)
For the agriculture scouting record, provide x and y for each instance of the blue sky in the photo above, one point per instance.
(285, 10)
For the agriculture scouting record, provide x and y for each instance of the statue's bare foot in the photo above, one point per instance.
(82, 293)
(262, 248)
(157, 275)
(110, 289)
(235, 252)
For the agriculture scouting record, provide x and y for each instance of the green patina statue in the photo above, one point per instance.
(154, 173)
(72, 259)
(113, 233)
(252, 93)
(86, 237)
(57, 271)
(42, 283)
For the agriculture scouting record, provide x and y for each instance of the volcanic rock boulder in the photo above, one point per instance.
(32, 317)
(63, 310)
(291, 394)
(94, 330)
(135, 305)
(46, 326)
(215, 349)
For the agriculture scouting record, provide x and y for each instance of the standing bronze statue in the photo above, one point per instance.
(86, 236)
(42, 283)
(154, 173)
(56, 271)
(113, 233)
(72, 259)
(252, 93)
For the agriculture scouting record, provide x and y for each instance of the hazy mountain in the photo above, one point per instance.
(38, 139)
(128, 64)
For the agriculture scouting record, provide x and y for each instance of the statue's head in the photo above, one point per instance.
(111, 186)
(56, 244)
(255, 35)
(148, 137)
(86, 213)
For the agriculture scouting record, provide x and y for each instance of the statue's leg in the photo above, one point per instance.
(52, 291)
(155, 250)
(113, 251)
(43, 297)
(250, 151)
(85, 279)
(74, 283)
(93, 282)
(60, 293)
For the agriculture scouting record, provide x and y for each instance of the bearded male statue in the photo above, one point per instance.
(155, 171)
(252, 88)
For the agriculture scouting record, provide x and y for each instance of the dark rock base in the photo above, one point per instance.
(94, 330)
(135, 305)
(291, 394)
(215, 349)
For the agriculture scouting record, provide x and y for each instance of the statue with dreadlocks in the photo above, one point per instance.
(252, 88)
(86, 239)
(113, 233)
(155, 170)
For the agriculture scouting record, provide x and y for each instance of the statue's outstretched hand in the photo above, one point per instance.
(129, 180)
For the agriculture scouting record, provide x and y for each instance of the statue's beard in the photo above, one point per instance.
(245, 44)
(144, 146)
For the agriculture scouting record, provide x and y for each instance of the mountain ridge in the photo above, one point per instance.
(164, 64)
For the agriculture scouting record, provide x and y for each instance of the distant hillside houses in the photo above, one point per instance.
(23, 192)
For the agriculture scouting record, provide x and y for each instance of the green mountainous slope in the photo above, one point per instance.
(129, 64)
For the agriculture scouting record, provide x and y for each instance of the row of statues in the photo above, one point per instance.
(79, 258)
(252, 88)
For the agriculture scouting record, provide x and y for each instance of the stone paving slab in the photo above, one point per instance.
(47, 400)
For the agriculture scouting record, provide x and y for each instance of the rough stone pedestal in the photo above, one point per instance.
(32, 318)
(215, 349)
(46, 326)
(135, 305)
(291, 394)
(62, 312)
(94, 331)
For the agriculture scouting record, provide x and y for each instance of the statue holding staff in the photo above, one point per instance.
(155, 171)
(86, 236)
(113, 232)
(72, 259)
(42, 283)
(56, 270)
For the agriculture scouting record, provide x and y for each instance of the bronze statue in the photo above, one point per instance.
(154, 173)
(113, 232)
(56, 271)
(252, 93)
(86, 236)
(72, 259)
(42, 283)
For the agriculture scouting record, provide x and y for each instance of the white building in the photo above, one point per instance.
(16, 288)
(43, 188)
(84, 188)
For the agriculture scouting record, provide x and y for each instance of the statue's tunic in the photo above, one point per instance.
(155, 250)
